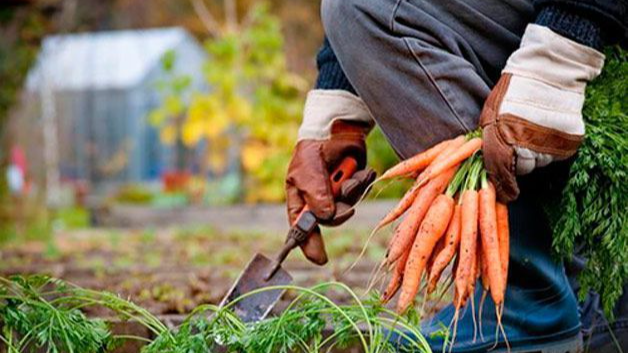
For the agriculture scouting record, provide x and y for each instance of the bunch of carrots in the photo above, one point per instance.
(451, 216)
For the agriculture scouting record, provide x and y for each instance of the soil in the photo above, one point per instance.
(170, 271)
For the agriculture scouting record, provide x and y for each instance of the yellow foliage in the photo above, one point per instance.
(253, 100)
(253, 155)
(168, 135)
(239, 110)
(192, 132)
(216, 125)
(217, 160)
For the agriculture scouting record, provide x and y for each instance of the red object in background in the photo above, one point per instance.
(18, 158)
(81, 190)
(175, 181)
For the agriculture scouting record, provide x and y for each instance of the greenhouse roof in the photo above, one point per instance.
(102, 60)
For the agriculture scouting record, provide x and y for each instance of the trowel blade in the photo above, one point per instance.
(257, 306)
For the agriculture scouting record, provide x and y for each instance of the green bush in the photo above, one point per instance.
(134, 194)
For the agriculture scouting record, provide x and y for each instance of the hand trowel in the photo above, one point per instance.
(263, 272)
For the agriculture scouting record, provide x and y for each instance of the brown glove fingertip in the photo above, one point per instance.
(499, 160)
(314, 248)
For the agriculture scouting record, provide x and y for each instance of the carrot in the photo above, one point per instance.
(432, 229)
(473, 271)
(400, 208)
(397, 276)
(406, 231)
(468, 238)
(503, 233)
(478, 258)
(465, 278)
(484, 271)
(411, 194)
(437, 249)
(416, 163)
(452, 239)
(473, 278)
(485, 287)
(490, 241)
(451, 159)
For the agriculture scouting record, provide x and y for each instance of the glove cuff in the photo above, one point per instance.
(551, 58)
(323, 107)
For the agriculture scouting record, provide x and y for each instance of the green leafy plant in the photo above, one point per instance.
(591, 212)
(29, 320)
(46, 312)
(253, 104)
(134, 194)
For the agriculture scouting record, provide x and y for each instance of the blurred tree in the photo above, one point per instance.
(169, 117)
(253, 100)
(22, 24)
(299, 18)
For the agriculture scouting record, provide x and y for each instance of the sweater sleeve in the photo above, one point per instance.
(330, 74)
(594, 23)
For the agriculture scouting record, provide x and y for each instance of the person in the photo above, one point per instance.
(428, 70)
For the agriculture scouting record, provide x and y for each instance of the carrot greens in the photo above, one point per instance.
(591, 212)
(45, 313)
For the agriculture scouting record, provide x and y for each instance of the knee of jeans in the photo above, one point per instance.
(336, 15)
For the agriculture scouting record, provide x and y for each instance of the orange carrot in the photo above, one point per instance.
(416, 163)
(406, 231)
(490, 241)
(437, 249)
(474, 268)
(468, 239)
(458, 299)
(411, 194)
(484, 271)
(478, 258)
(451, 159)
(452, 239)
(503, 233)
(400, 208)
(397, 276)
(432, 229)
(485, 287)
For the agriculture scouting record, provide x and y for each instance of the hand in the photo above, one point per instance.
(533, 116)
(324, 141)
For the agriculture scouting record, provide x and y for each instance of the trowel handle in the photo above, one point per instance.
(343, 171)
(306, 221)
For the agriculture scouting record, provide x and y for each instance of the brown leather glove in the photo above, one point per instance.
(533, 116)
(308, 183)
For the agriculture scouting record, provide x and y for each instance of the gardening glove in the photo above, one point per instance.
(533, 116)
(335, 125)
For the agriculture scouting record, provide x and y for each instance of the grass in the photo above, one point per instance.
(46, 313)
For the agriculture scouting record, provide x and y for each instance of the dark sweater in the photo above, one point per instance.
(593, 23)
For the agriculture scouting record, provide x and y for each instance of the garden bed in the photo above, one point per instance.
(170, 272)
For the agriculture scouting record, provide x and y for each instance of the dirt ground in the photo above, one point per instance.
(171, 260)
(170, 269)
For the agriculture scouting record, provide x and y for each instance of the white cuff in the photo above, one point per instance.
(322, 107)
(554, 59)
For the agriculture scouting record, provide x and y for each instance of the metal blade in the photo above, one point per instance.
(257, 306)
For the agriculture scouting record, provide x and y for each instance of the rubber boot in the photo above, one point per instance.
(540, 310)
(598, 333)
